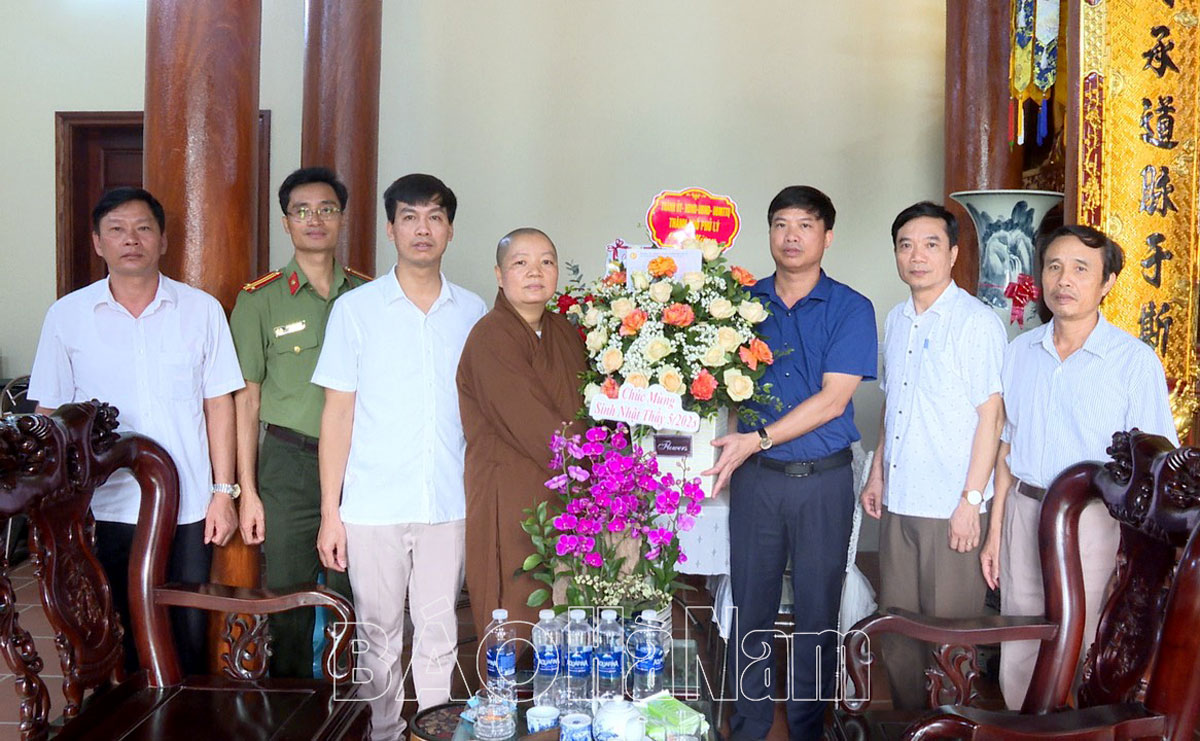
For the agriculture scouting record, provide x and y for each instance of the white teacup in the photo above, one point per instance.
(541, 717)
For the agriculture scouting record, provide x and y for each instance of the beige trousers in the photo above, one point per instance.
(387, 564)
(918, 571)
(1021, 581)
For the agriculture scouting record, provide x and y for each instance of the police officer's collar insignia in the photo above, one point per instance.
(361, 276)
(293, 282)
(261, 281)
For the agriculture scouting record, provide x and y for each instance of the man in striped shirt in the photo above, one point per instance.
(1068, 386)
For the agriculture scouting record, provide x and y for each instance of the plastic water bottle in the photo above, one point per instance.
(501, 656)
(548, 677)
(579, 663)
(647, 647)
(610, 666)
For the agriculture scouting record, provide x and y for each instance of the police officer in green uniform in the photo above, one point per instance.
(278, 325)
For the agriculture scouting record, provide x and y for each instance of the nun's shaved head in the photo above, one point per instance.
(524, 232)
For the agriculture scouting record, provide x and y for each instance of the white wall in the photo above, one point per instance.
(569, 116)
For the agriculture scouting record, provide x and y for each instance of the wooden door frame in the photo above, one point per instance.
(66, 126)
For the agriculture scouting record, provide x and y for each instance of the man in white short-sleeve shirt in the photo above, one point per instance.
(391, 451)
(940, 426)
(1068, 386)
(161, 353)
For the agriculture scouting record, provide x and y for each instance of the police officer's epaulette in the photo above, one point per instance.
(261, 281)
(361, 276)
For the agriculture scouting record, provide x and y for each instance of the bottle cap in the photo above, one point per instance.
(546, 615)
(608, 615)
(500, 614)
(577, 614)
(648, 615)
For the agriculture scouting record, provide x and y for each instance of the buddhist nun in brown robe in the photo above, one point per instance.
(518, 382)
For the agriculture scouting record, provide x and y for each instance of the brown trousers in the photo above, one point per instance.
(919, 572)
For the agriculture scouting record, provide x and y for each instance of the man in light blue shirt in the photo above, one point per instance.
(1068, 386)
(931, 474)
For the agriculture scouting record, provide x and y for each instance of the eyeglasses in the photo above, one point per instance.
(324, 213)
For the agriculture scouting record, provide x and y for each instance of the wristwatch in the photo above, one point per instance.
(765, 441)
(974, 497)
(233, 490)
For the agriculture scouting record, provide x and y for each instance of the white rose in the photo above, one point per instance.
(657, 349)
(621, 308)
(752, 311)
(693, 280)
(739, 387)
(714, 357)
(660, 291)
(592, 317)
(612, 360)
(638, 380)
(575, 309)
(589, 391)
(728, 338)
(671, 380)
(711, 249)
(641, 281)
(721, 308)
(596, 339)
(691, 243)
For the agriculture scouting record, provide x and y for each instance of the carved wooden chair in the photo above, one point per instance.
(49, 469)
(1142, 676)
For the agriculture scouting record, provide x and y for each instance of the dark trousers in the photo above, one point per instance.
(290, 489)
(188, 564)
(773, 516)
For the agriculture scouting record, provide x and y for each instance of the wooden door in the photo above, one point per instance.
(97, 151)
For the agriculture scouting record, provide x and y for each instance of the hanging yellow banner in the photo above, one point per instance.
(1139, 86)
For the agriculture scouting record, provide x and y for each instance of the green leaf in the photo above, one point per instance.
(532, 561)
(538, 597)
(530, 527)
(541, 511)
(543, 577)
(538, 542)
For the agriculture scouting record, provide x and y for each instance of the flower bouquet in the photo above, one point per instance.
(611, 538)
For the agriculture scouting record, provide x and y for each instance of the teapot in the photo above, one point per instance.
(618, 720)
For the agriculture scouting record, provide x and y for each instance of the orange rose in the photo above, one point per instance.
(679, 315)
(662, 267)
(632, 322)
(743, 276)
(704, 385)
(615, 279)
(610, 388)
(761, 352)
(748, 357)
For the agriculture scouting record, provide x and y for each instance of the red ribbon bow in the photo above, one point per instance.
(1021, 293)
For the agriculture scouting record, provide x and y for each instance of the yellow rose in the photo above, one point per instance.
(612, 360)
(596, 339)
(589, 391)
(592, 317)
(752, 311)
(657, 349)
(660, 291)
(621, 308)
(693, 280)
(641, 281)
(711, 249)
(728, 338)
(738, 386)
(721, 308)
(671, 380)
(714, 357)
(638, 380)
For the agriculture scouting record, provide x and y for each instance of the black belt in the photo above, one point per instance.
(1033, 492)
(292, 437)
(800, 469)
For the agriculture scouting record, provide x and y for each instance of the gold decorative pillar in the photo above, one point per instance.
(1137, 82)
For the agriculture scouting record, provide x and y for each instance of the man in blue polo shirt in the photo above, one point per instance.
(791, 486)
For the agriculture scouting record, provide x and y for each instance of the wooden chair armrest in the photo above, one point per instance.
(244, 660)
(950, 634)
(1124, 721)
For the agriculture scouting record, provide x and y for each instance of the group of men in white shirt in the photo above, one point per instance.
(973, 431)
(391, 445)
